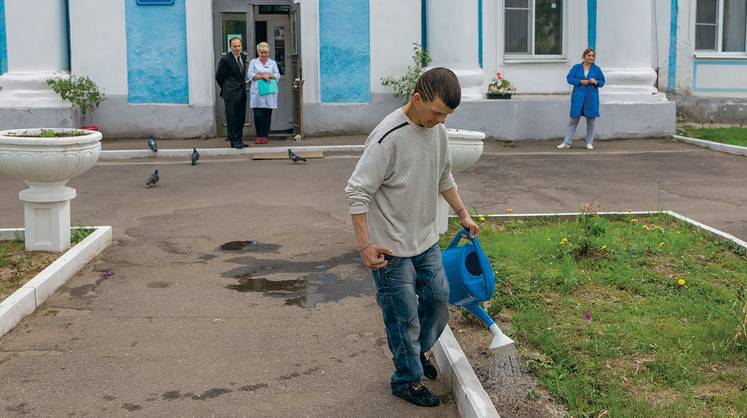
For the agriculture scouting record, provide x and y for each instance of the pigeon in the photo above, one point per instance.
(195, 156)
(295, 158)
(152, 179)
(152, 144)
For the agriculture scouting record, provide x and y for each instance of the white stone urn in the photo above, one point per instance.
(46, 164)
(465, 148)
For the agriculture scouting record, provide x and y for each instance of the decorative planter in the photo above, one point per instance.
(465, 148)
(46, 165)
(499, 96)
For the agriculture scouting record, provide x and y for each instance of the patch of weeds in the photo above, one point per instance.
(79, 232)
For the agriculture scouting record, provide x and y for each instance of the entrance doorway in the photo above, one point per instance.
(276, 22)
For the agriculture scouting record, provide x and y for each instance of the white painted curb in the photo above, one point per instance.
(716, 146)
(219, 152)
(471, 398)
(25, 300)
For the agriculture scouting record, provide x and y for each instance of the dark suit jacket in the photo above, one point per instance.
(230, 78)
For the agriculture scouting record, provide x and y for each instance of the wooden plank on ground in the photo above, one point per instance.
(284, 155)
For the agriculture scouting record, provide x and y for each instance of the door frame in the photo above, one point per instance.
(247, 6)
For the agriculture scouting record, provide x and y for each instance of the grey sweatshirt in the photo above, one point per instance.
(397, 181)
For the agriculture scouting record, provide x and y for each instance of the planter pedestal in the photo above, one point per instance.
(465, 148)
(46, 209)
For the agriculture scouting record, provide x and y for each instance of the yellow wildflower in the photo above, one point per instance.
(509, 210)
(604, 247)
(630, 210)
(681, 281)
(481, 219)
(564, 241)
(634, 220)
(646, 228)
(661, 244)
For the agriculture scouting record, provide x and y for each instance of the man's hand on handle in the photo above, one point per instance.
(467, 222)
(373, 256)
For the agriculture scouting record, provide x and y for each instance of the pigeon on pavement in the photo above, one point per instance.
(295, 158)
(195, 156)
(152, 144)
(152, 179)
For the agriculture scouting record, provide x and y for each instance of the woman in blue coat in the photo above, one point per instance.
(586, 79)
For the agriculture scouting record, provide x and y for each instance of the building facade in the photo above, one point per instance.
(155, 60)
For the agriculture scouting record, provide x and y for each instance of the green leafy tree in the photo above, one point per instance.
(404, 86)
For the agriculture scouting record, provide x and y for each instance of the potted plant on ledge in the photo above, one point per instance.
(500, 88)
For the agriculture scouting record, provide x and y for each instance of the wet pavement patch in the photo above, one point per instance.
(212, 393)
(250, 247)
(158, 285)
(252, 388)
(315, 284)
(131, 407)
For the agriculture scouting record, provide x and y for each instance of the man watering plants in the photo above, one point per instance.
(392, 197)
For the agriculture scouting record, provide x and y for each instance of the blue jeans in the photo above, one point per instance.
(413, 295)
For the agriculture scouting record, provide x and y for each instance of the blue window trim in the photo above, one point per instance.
(479, 32)
(715, 89)
(592, 24)
(155, 2)
(423, 24)
(3, 40)
(672, 67)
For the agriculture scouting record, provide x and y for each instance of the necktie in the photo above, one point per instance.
(238, 61)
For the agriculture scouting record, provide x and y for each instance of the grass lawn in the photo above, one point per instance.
(633, 316)
(732, 136)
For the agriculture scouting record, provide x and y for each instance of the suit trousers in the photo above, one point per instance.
(235, 117)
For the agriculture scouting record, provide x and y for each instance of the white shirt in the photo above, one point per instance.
(269, 101)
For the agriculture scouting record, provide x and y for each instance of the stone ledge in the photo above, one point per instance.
(28, 298)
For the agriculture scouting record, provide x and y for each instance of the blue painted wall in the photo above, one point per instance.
(344, 51)
(157, 53)
(3, 40)
(591, 10)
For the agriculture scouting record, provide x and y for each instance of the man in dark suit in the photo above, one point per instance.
(230, 76)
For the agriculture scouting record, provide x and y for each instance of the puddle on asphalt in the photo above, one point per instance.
(315, 285)
(249, 246)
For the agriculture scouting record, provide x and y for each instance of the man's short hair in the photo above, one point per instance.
(230, 41)
(440, 83)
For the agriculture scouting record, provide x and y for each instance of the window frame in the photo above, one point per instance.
(520, 57)
(718, 52)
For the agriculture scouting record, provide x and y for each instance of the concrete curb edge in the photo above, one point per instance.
(221, 152)
(716, 146)
(30, 296)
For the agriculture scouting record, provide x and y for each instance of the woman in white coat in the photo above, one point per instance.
(262, 70)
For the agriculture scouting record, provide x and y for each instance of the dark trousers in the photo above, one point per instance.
(235, 117)
(262, 121)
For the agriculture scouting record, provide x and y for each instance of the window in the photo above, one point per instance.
(534, 27)
(721, 26)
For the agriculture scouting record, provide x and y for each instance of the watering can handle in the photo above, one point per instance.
(481, 257)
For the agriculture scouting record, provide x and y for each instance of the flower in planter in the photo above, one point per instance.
(499, 86)
(587, 315)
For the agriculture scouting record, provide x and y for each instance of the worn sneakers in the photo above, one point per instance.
(429, 370)
(563, 145)
(416, 393)
(589, 146)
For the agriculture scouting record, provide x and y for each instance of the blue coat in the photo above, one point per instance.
(585, 99)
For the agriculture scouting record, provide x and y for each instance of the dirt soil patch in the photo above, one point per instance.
(515, 392)
(18, 266)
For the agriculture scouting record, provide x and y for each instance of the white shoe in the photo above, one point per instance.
(589, 146)
(563, 145)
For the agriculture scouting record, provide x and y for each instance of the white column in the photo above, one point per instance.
(453, 41)
(200, 59)
(625, 49)
(36, 33)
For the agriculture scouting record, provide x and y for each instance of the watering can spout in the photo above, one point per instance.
(500, 342)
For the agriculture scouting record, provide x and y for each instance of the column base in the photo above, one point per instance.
(46, 208)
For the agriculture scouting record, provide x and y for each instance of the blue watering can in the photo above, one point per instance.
(471, 281)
